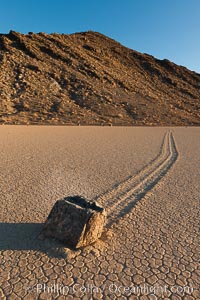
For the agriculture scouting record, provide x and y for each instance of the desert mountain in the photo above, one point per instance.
(88, 78)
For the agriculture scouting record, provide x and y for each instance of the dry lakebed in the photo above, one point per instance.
(147, 178)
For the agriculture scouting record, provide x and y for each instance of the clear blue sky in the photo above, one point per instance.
(163, 28)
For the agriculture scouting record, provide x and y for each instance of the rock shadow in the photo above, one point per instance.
(24, 237)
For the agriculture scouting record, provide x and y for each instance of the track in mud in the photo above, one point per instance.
(120, 199)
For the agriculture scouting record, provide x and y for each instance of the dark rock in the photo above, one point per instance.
(74, 221)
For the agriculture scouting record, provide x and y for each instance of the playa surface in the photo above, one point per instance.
(147, 178)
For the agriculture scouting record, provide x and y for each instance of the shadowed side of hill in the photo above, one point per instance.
(87, 78)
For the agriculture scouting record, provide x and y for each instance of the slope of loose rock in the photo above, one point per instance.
(88, 78)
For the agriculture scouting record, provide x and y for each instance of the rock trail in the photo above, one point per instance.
(123, 197)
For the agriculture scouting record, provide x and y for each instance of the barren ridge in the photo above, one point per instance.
(88, 78)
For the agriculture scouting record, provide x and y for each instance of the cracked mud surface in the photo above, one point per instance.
(154, 244)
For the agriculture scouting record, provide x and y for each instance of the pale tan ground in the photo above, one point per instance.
(154, 243)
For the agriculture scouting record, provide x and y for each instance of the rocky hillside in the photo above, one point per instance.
(88, 78)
